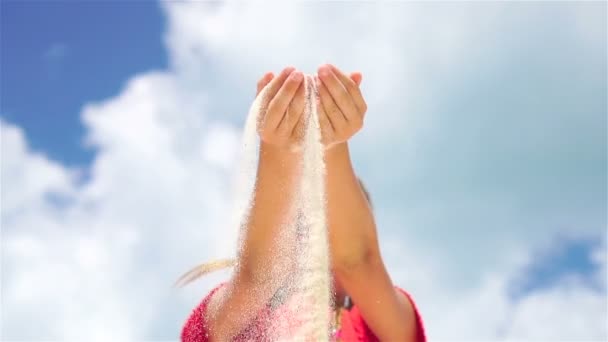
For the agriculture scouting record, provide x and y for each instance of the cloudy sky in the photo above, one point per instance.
(484, 149)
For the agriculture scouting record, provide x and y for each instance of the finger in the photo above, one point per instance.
(327, 130)
(298, 130)
(357, 77)
(352, 88)
(332, 111)
(338, 92)
(294, 110)
(278, 105)
(276, 84)
(323, 118)
(263, 82)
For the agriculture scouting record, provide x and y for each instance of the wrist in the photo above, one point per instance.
(279, 153)
(337, 152)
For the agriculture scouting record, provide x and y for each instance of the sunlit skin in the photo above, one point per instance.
(357, 266)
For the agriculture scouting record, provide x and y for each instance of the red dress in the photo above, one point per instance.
(352, 325)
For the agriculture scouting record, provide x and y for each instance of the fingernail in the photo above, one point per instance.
(323, 71)
(296, 76)
(289, 70)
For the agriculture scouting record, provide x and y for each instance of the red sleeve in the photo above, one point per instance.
(420, 334)
(195, 330)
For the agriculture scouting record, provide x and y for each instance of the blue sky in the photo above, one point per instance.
(563, 256)
(484, 149)
(58, 55)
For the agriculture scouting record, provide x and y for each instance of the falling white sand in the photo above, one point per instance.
(313, 254)
(308, 288)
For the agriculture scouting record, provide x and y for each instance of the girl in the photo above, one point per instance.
(368, 307)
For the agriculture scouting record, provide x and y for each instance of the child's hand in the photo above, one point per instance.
(282, 108)
(341, 106)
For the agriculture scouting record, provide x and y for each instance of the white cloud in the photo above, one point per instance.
(571, 309)
(102, 261)
(220, 146)
(27, 177)
(564, 313)
(158, 197)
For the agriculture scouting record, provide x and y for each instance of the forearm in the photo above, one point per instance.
(356, 259)
(262, 265)
(356, 255)
(352, 230)
(278, 172)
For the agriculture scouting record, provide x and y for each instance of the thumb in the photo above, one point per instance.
(357, 77)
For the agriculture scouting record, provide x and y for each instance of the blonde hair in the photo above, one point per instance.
(220, 264)
(203, 269)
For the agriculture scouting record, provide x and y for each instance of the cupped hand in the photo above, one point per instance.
(281, 119)
(340, 104)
